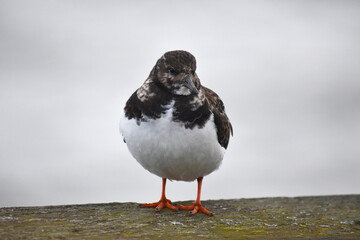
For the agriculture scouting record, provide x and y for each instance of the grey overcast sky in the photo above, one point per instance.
(287, 71)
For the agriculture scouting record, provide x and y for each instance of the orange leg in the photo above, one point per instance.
(163, 202)
(196, 207)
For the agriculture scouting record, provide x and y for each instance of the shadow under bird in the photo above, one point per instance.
(176, 128)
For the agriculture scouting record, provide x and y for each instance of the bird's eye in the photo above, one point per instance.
(171, 71)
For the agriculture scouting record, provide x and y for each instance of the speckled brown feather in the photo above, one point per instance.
(222, 123)
(151, 99)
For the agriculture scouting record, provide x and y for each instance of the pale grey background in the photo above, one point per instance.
(288, 72)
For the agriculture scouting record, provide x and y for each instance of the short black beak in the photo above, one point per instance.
(189, 84)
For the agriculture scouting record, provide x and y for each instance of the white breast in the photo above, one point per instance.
(169, 150)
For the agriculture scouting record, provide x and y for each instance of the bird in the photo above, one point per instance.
(175, 127)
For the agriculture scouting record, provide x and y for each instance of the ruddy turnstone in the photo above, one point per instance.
(174, 127)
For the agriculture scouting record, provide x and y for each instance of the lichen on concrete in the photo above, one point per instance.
(326, 217)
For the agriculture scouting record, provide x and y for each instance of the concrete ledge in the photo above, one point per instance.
(325, 217)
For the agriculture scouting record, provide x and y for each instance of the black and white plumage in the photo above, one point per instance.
(173, 126)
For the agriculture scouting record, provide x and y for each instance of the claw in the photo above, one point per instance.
(162, 203)
(196, 206)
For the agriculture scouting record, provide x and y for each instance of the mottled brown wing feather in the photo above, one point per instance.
(222, 123)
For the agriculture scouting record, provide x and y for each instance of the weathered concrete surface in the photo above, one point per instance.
(327, 217)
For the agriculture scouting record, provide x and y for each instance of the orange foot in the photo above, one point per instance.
(164, 202)
(196, 207)
(160, 205)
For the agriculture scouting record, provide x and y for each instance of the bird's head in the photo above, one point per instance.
(175, 70)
